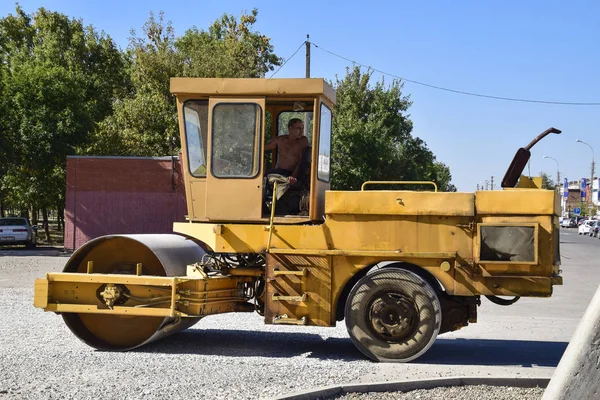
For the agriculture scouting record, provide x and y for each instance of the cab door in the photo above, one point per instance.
(235, 159)
(320, 176)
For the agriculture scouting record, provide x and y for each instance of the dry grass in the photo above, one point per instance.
(56, 236)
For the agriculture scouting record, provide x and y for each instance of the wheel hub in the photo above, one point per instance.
(392, 316)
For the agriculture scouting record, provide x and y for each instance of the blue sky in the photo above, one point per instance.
(539, 50)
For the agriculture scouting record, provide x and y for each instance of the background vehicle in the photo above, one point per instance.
(17, 230)
(585, 226)
(399, 266)
(595, 228)
(568, 223)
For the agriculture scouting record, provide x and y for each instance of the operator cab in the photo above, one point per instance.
(225, 124)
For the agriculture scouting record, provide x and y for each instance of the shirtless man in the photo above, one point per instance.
(290, 148)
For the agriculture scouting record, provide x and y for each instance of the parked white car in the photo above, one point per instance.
(586, 226)
(17, 230)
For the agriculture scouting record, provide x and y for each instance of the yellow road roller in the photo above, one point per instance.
(399, 262)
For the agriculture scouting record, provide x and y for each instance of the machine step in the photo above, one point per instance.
(302, 298)
(300, 272)
(285, 320)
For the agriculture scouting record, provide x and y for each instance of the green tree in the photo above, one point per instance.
(229, 49)
(145, 123)
(547, 181)
(145, 120)
(6, 139)
(371, 136)
(60, 79)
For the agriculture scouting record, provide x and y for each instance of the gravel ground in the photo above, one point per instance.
(450, 393)
(222, 357)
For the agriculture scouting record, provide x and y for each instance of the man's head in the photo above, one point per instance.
(295, 128)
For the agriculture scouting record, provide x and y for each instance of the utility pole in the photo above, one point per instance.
(492, 182)
(478, 187)
(307, 56)
(591, 206)
(486, 184)
(590, 201)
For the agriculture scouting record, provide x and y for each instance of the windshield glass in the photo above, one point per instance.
(235, 133)
(13, 221)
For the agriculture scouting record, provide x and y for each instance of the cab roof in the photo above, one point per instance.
(281, 87)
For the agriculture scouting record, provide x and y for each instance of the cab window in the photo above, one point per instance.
(195, 115)
(285, 117)
(323, 167)
(235, 149)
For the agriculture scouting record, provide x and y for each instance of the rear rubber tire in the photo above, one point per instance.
(393, 315)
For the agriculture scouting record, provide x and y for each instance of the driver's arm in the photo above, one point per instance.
(272, 144)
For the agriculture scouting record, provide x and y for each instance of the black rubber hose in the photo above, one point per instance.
(503, 302)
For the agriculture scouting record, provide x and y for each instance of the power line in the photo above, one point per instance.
(458, 91)
(298, 49)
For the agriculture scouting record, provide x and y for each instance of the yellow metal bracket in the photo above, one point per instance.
(270, 228)
(284, 319)
(301, 272)
(301, 299)
(364, 253)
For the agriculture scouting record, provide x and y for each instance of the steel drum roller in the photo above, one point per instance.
(160, 255)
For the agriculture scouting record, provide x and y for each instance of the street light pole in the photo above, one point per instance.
(562, 201)
(592, 175)
(557, 170)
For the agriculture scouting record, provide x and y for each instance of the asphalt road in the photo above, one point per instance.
(526, 339)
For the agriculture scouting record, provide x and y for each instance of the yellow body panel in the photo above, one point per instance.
(427, 230)
(251, 87)
(518, 202)
(400, 203)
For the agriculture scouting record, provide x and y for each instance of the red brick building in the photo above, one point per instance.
(113, 195)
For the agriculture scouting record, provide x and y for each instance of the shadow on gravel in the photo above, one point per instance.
(494, 352)
(36, 252)
(245, 343)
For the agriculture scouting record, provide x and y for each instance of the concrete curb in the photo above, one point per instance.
(404, 386)
(577, 375)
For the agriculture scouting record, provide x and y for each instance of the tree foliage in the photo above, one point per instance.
(228, 49)
(59, 78)
(145, 123)
(371, 136)
(547, 181)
